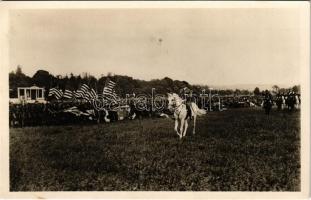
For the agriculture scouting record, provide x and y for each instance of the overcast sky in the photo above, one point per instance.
(201, 46)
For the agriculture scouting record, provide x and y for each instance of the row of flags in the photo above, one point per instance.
(87, 93)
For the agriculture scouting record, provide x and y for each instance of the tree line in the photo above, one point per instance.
(124, 84)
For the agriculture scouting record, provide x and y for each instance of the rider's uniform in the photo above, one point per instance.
(189, 99)
(268, 99)
(186, 95)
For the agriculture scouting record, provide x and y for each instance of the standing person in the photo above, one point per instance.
(279, 101)
(267, 104)
(23, 114)
(18, 111)
(291, 101)
(12, 115)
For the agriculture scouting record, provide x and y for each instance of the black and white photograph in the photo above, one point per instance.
(162, 99)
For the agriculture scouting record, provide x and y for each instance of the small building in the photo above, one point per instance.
(31, 94)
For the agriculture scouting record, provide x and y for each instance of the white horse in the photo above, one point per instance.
(178, 106)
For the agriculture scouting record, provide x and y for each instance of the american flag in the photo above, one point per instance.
(90, 95)
(56, 92)
(109, 92)
(93, 94)
(68, 94)
(74, 110)
(76, 94)
(86, 93)
(81, 93)
(85, 88)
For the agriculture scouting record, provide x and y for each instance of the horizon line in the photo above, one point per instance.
(136, 78)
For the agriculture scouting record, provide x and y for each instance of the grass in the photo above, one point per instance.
(234, 150)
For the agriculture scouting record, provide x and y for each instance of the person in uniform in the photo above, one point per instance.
(187, 96)
(279, 101)
(12, 115)
(267, 101)
(23, 115)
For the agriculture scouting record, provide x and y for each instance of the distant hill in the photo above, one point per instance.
(249, 87)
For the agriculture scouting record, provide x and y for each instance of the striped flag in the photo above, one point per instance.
(86, 93)
(81, 93)
(90, 112)
(93, 94)
(74, 110)
(109, 92)
(68, 94)
(90, 95)
(56, 92)
(100, 96)
(109, 87)
(85, 88)
(76, 94)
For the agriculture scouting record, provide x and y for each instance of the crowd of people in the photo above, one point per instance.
(56, 113)
(68, 112)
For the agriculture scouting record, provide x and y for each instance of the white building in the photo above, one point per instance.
(29, 95)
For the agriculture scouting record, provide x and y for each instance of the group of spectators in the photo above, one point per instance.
(54, 113)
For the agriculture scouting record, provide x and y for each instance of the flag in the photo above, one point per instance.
(85, 88)
(109, 92)
(90, 112)
(74, 110)
(68, 94)
(81, 93)
(109, 87)
(56, 92)
(86, 93)
(92, 94)
(100, 96)
(76, 94)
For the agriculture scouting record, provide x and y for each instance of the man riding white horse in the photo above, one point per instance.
(178, 106)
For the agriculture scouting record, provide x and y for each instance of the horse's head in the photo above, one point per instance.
(173, 101)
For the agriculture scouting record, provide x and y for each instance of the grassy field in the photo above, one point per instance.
(234, 150)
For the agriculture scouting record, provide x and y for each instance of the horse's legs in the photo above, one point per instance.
(182, 123)
(186, 127)
(176, 127)
(194, 122)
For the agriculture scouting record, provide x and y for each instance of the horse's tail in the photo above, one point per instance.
(197, 110)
